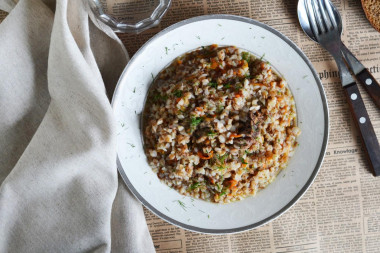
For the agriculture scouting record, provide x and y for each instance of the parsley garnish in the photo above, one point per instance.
(223, 158)
(243, 161)
(245, 56)
(195, 121)
(238, 87)
(227, 85)
(248, 152)
(213, 84)
(178, 93)
(223, 192)
(182, 204)
(220, 167)
(211, 134)
(131, 145)
(194, 186)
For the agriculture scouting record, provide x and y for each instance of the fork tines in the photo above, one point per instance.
(323, 16)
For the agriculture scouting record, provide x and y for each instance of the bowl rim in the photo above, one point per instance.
(325, 137)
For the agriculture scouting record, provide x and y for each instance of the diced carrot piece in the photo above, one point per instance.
(236, 135)
(211, 154)
(232, 183)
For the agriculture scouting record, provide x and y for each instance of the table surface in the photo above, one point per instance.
(341, 211)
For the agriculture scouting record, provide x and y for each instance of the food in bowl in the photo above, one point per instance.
(219, 124)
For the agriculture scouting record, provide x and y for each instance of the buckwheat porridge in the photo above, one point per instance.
(219, 124)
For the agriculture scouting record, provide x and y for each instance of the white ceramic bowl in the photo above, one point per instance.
(288, 61)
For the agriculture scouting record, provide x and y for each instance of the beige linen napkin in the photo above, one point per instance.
(59, 187)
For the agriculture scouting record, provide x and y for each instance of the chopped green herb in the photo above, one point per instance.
(262, 37)
(194, 186)
(243, 161)
(220, 167)
(222, 158)
(167, 209)
(122, 124)
(223, 192)
(304, 77)
(178, 93)
(278, 140)
(213, 84)
(219, 25)
(208, 216)
(131, 144)
(211, 134)
(201, 211)
(166, 50)
(227, 85)
(182, 205)
(134, 90)
(195, 121)
(245, 56)
(238, 86)
(152, 76)
(261, 58)
(198, 37)
(220, 108)
(222, 38)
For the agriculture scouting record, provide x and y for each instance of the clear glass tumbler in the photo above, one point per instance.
(131, 16)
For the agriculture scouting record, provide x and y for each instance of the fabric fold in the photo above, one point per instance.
(59, 186)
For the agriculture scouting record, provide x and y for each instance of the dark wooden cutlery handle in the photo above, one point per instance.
(364, 125)
(370, 85)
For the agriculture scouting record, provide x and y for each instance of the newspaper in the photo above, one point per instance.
(341, 210)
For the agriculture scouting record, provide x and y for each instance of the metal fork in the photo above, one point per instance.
(316, 16)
